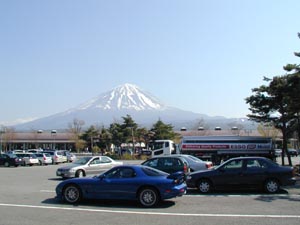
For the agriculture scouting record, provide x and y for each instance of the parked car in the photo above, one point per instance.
(168, 164)
(64, 155)
(278, 152)
(196, 163)
(57, 156)
(293, 152)
(44, 158)
(8, 160)
(86, 166)
(28, 159)
(243, 173)
(69, 157)
(39, 150)
(131, 182)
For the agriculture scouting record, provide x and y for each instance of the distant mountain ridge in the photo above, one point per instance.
(125, 99)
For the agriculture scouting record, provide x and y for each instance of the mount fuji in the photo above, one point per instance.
(111, 106)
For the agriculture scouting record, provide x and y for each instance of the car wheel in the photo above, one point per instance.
(72, 194)
(272, 186)
(79, 173)
(148, 197)
(204, 186)
(6, 164)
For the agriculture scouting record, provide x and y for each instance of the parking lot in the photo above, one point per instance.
(28, 197)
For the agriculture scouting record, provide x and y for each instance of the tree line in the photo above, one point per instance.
(98, 139)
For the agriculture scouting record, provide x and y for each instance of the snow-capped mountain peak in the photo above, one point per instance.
(127, 96)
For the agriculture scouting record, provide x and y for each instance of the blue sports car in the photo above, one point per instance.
(131, 182)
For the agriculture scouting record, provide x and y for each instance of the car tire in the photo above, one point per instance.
(148, 197)
(271, 186)
(79, 173)
(72, 194)
(6, 164)
(204, 186)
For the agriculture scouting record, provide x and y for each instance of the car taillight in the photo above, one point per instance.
(185, 168)
(208, 165)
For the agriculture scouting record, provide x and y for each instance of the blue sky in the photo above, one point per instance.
(203, 56)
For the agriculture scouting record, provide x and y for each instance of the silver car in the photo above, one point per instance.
(86, 166)
(196, 163)
(44, 158)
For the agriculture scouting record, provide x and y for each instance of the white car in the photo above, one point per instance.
(57, 156)
(44, 158)
(86, 166)
(28, 159)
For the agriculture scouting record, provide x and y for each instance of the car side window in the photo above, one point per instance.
(235, 164)
(120, 173)
(95, 162)
(253, 164)
(126, 173)
(171, 162)
(105, 160)
(263, 164)
(114, 173)
(152, 163)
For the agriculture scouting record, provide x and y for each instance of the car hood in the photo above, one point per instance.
(79, 181)
(210, 170)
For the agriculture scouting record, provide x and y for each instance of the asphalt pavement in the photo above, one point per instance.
(27, 196)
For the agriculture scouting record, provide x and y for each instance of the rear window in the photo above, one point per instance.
(170, 162)
(50, 153)
(153, 172)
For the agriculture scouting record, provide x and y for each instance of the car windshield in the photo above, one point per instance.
(12, 155)
(82, 161)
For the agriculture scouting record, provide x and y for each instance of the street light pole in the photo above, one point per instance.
(2, 131)
(53, 134)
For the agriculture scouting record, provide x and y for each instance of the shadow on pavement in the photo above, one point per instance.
(124, 204)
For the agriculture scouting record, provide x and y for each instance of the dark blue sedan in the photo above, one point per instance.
(243, 173)
(131, 182)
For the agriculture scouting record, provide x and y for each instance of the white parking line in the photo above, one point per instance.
(150, 213)
(47, 191)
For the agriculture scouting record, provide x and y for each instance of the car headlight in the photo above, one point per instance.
(188, 177)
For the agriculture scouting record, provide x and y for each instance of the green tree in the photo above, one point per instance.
(270, 105)
(105, 139)
(161, 130)
(278, 103)
(90, 136)
(117, 136)
(129, 128)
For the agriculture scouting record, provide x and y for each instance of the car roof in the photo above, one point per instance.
(168, 156)
(249, 157)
